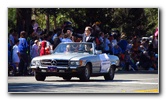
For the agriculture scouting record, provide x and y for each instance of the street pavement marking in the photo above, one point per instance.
(148, 79)
(148, 91)
(140, 82)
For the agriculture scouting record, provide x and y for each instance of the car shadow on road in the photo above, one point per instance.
(48, 86)
(91, 80)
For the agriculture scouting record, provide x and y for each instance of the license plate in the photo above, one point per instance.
(52, 69)
(61, 71)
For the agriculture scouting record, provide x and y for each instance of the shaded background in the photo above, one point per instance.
(132, 21)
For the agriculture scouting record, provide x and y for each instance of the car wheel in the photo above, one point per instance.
(85, 74)
(110, 74)
(39, 76)
(67, 78)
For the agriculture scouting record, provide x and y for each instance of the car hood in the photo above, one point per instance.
(63, 56)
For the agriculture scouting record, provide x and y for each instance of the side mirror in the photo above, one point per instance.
(98, 52)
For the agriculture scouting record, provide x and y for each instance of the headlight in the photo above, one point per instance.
(38, 63)
(33, 62)
(77, 63)
(74, 63)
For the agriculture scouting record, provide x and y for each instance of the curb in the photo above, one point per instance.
(138, 72)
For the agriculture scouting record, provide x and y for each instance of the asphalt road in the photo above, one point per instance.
(122, 83)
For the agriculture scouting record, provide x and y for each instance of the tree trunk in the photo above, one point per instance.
(23, 19)
(47, 22)
(54, 22)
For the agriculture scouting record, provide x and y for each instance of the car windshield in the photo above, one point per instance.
(75, 47)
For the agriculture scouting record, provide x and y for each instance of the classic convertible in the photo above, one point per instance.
(75, 60)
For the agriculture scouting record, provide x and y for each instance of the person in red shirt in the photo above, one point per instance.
(43, 46)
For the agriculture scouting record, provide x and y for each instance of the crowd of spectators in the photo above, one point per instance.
(135, 53)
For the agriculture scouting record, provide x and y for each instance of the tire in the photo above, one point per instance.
(39, 76)
(67, 78)
(85, 74)
(110, 74)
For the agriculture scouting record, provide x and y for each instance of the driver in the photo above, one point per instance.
(68, 48)
(88, 48)
(72, 48)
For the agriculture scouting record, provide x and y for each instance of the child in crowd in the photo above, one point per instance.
(16, 55)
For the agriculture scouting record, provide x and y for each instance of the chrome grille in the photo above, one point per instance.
(46, 62)
(62, 62)
(54, 62)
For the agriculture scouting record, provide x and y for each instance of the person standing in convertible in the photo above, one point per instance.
(87, 35)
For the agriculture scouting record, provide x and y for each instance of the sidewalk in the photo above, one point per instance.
(137, 72)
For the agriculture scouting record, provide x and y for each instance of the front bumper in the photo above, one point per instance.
(59, 71)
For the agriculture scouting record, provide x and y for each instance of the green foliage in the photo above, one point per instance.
(152, 19)
(11, 18)
(139, 21)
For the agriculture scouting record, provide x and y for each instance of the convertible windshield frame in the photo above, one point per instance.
(75, 47)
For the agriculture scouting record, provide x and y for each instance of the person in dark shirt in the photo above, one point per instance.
(87, 36)
(31, 30)
(57, 40)
(123, 43)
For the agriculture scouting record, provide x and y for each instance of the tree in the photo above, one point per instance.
(132, 21)
(152, 19)
(12, 18)
(23, 16)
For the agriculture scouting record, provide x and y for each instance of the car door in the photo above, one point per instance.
(104, 63)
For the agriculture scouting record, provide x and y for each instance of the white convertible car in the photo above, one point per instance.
(75, 60)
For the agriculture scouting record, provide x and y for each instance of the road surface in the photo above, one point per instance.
(122, 83)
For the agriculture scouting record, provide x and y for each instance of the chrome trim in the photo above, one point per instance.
(53, 62)
(33, 67)
(58, 67)
(73, 67)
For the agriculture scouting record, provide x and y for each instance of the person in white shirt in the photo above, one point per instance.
(16, 54)
(113, 44)
(35, 49)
